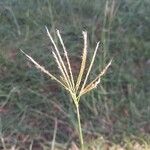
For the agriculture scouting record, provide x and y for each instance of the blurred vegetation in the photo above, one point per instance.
(31, 105)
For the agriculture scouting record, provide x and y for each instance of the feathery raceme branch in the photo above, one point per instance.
(60, 59)
(38, 66)
(95, 82)
(90, 67)
(83, 63)
(67, 59)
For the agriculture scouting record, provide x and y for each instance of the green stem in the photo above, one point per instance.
(80, 129)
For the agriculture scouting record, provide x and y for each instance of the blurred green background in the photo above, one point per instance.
(31, 104)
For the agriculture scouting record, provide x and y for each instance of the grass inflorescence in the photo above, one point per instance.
(75, 88)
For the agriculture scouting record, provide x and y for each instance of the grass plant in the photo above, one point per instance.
(75, 87)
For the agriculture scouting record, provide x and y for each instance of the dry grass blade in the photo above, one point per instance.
(54, 135)
(60, 59)
(44, 70)
(83, 63)
(96, 81)
(67, 58)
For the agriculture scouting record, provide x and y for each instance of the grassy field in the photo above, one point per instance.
(36, 113)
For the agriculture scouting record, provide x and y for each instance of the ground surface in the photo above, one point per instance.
(116, 115)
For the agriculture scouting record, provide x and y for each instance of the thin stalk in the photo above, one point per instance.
(79, 127)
